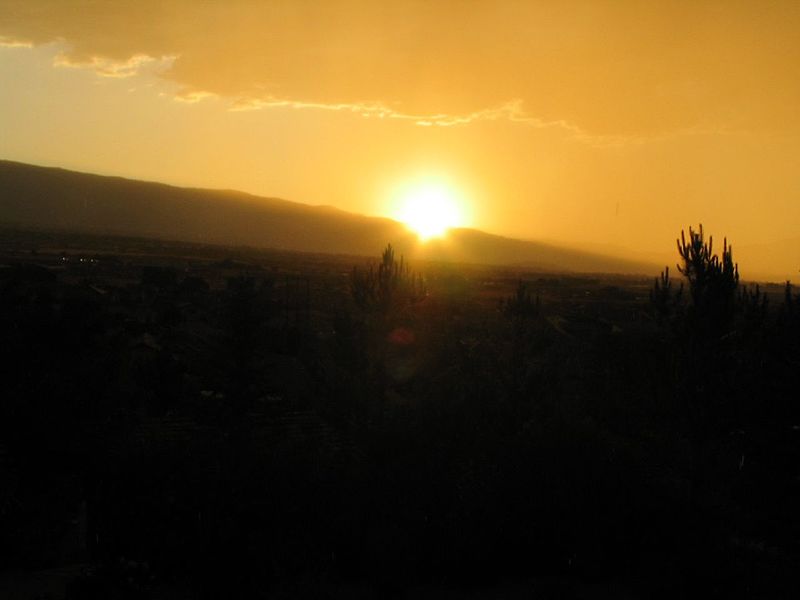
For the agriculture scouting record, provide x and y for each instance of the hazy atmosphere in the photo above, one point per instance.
(399, 299)
(611, 124)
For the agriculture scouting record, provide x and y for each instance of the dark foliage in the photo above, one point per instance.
(280, 426)
(521, 305)
(665, 300)
(713, 281)
(388, 287)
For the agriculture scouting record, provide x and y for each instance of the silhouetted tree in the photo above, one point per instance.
(787, 338)
(713, 281)
(664, 299)
(753, 306)
(790, 301)
(522, 311)
(522, 304)
(392, 285)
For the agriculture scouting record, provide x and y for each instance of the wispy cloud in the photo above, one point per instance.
(6, 42)
(623, 74)
(194, 97)
(118, 69)
(512, 111)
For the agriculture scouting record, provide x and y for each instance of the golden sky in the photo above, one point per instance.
(586, 122)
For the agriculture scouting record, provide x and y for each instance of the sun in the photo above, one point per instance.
(430, 210)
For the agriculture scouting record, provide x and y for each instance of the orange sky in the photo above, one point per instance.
(596, 123)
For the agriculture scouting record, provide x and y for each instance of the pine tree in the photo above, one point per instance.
(664, 299)
(713, 281)
(391, 286)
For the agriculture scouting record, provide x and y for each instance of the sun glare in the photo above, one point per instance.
(430, 210)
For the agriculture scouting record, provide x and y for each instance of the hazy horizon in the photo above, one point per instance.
(598, 124)
(61, 200)
(368, 298)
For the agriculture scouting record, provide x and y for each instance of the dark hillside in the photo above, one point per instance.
(46, 197)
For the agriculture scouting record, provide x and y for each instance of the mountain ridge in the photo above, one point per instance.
(54, 197)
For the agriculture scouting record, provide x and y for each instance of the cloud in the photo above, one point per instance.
(193, 97)
(510, 111)
(6, 42)
(605, 72)
(106, 67)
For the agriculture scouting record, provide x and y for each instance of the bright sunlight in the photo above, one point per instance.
(430, 210)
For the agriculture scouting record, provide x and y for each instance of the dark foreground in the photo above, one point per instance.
(180, 421)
